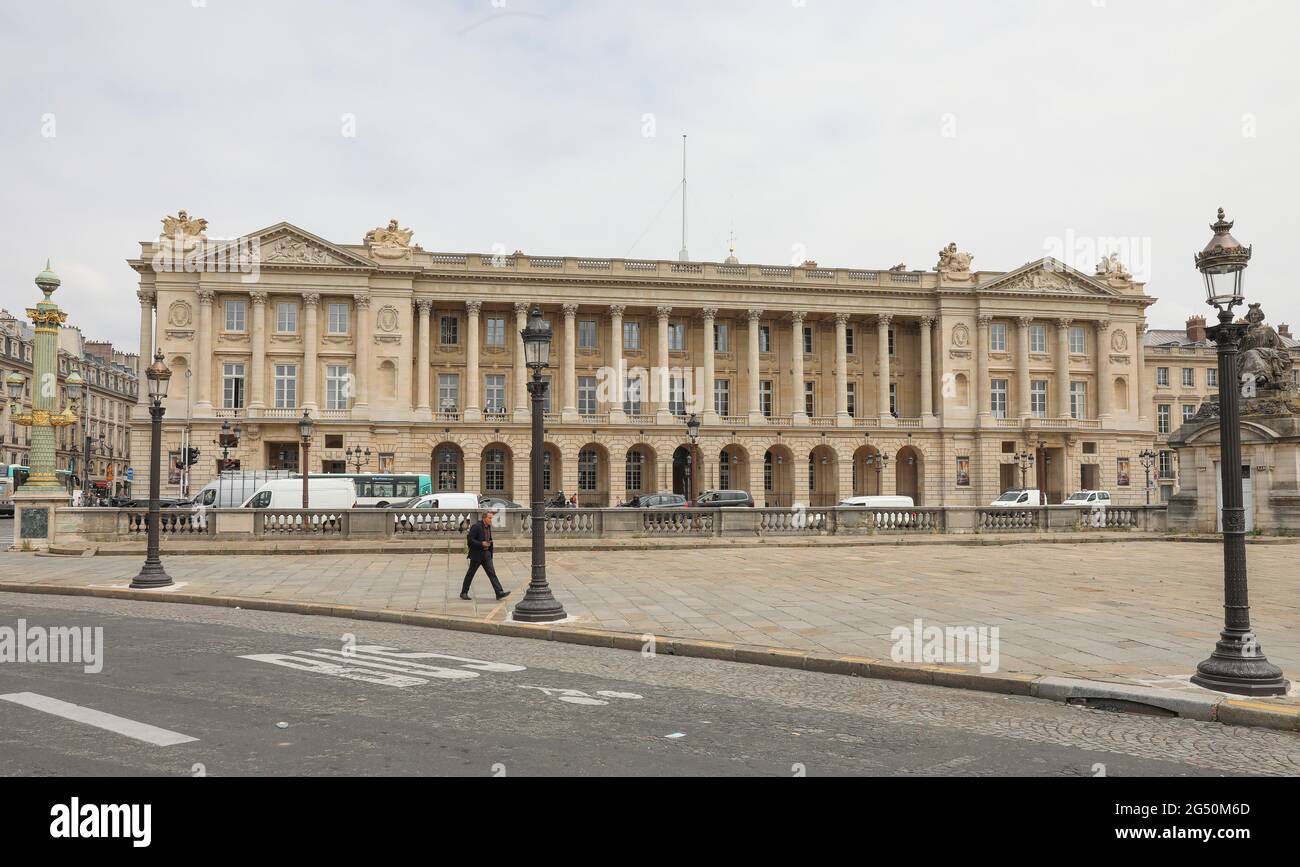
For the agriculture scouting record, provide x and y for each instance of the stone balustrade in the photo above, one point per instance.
(99, 526)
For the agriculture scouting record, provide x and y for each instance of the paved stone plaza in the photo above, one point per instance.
(1139, 612)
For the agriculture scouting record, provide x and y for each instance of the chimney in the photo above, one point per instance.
(1196, 329)
(1284, 330)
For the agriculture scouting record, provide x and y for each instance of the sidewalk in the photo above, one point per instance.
(1139, 613)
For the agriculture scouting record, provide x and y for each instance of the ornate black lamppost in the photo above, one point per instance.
(1238, 664)
(878, 460)
(1148, 459)
(539, 605)
(693, 432)
(227, 440)
(152, 575)
(1025, 460)
(357, 458)
(305, 425)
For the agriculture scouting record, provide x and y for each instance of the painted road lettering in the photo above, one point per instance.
(384, 666)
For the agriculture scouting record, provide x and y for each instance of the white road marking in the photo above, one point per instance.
(385, 666)
(576, 696)
(172, 589)
(89, 716)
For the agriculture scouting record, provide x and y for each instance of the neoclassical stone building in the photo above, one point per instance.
(804, 376)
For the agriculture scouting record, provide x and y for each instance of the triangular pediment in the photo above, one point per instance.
(1050, 276)
(286, 244)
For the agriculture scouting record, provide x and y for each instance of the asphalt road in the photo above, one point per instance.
(183, 670)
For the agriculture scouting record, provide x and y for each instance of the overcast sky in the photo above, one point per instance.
(864, 133)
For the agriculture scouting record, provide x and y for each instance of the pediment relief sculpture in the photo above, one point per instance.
(290, 249)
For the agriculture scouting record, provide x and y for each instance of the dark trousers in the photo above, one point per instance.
(491, 571)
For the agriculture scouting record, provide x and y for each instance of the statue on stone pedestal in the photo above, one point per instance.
(1264, 355)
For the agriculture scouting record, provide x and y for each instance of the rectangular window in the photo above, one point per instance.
(998, 396)
(810, 398)
(676, 337)
(233, 386)
(893, 399)
(722, 397)
(286, 317)
(1163, 415)
(586, 333)
(807, 340)
(1212, 377)
(448, 331)
(1122, 472)
(1166, 465)
(1189, 377)
(764, 339)
(853, 400)
(1162, 377)
(963, 472)
(1189, 410)
(632, 471)
(721, 338)
(496, 332)
(588, 470)
(547, 398)
(1078, 400)
(1037, 338)
(587, 395)
(1038, 398)
(892, 346)
(235, 313)
(998, 337)
(494, 392)
(632, 396)
(448, 392)
(286, 386)
(338, 318)
(677, 395)
(631, 335)
(765, 397)
(1078, 341)
(338, 387)
(848, 341)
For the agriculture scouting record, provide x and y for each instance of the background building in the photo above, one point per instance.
(803, 375)
(111, 392)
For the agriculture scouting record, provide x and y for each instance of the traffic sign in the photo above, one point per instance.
(130, 474)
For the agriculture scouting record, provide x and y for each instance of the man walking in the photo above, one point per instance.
(480, 554)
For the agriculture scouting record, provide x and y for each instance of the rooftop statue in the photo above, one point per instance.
(1264, 355)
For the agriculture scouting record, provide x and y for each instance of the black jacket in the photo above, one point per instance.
(478, 533)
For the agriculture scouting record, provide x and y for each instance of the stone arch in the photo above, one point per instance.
(593, 476)
(909, 473)
(778, 477)
(823, 477)
(961, 389)
(388, 379)
(497, 471)
(867, 472)
(1120, 397)
(732, 472)
(640, 469)
(447, 467)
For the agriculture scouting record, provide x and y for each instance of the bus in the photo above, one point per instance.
(382, 491)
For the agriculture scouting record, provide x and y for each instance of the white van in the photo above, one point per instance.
(232, 490)
(878, 503)
(1089, 498)
(287, 494)
(447, 501)
(1020, 498)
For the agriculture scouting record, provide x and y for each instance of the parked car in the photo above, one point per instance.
(1020, 498)
(725, 500)
(325, 493)
(878, 503)
(657, 501)
(444, 500)
(498, 503)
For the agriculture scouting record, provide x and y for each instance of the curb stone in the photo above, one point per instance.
(1205, 707)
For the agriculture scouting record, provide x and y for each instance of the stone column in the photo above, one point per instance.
(927, 369)
(984, 407)
(423, 373)
(570, 410)
(202, 361)
(1063, 368)
(257, 376)
(1104, 384)
(1022, 366)
(710, 415)
(473, 403)
(523, 409)
(661, 379)
(311, 346)
(754, 362)
(361, 369)
(618, 374)
(147, 300)
(843, 419)
(799, 404)
(882, 363)
(1141, 390)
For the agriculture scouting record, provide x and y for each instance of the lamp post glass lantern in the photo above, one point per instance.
(152, 575)
(693, 433)
(305, 425)
(539, 605)
(1238, 664)
(1148, 459)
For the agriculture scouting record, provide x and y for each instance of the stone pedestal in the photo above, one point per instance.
(1270, 447)
(34, 518)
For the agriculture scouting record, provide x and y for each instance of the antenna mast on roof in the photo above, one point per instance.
(684, 256)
